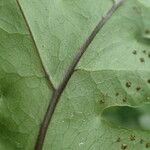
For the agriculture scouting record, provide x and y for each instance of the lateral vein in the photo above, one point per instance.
(47, 76)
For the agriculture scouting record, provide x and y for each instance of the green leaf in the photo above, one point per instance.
(114, 72)
(145, 11)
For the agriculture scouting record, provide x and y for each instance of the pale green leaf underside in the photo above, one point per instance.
(59, 28)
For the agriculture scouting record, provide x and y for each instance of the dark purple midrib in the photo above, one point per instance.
(58, 92)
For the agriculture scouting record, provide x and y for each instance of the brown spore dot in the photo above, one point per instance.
(119, 139)
(144, 51)
(117, 94)
(125, 99)
(128, 84)
(134, 52)
(124, 146)
(138, 88)
(142, 60)
(148, 81)
(147, 145)
(147, 31)
(102, 101)
(141, 141)
(132, 137)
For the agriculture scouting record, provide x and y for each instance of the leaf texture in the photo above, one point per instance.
(114, 71)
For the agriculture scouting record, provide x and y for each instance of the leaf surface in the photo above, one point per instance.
(114, 71)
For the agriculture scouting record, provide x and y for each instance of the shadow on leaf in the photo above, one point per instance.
(128, 116)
